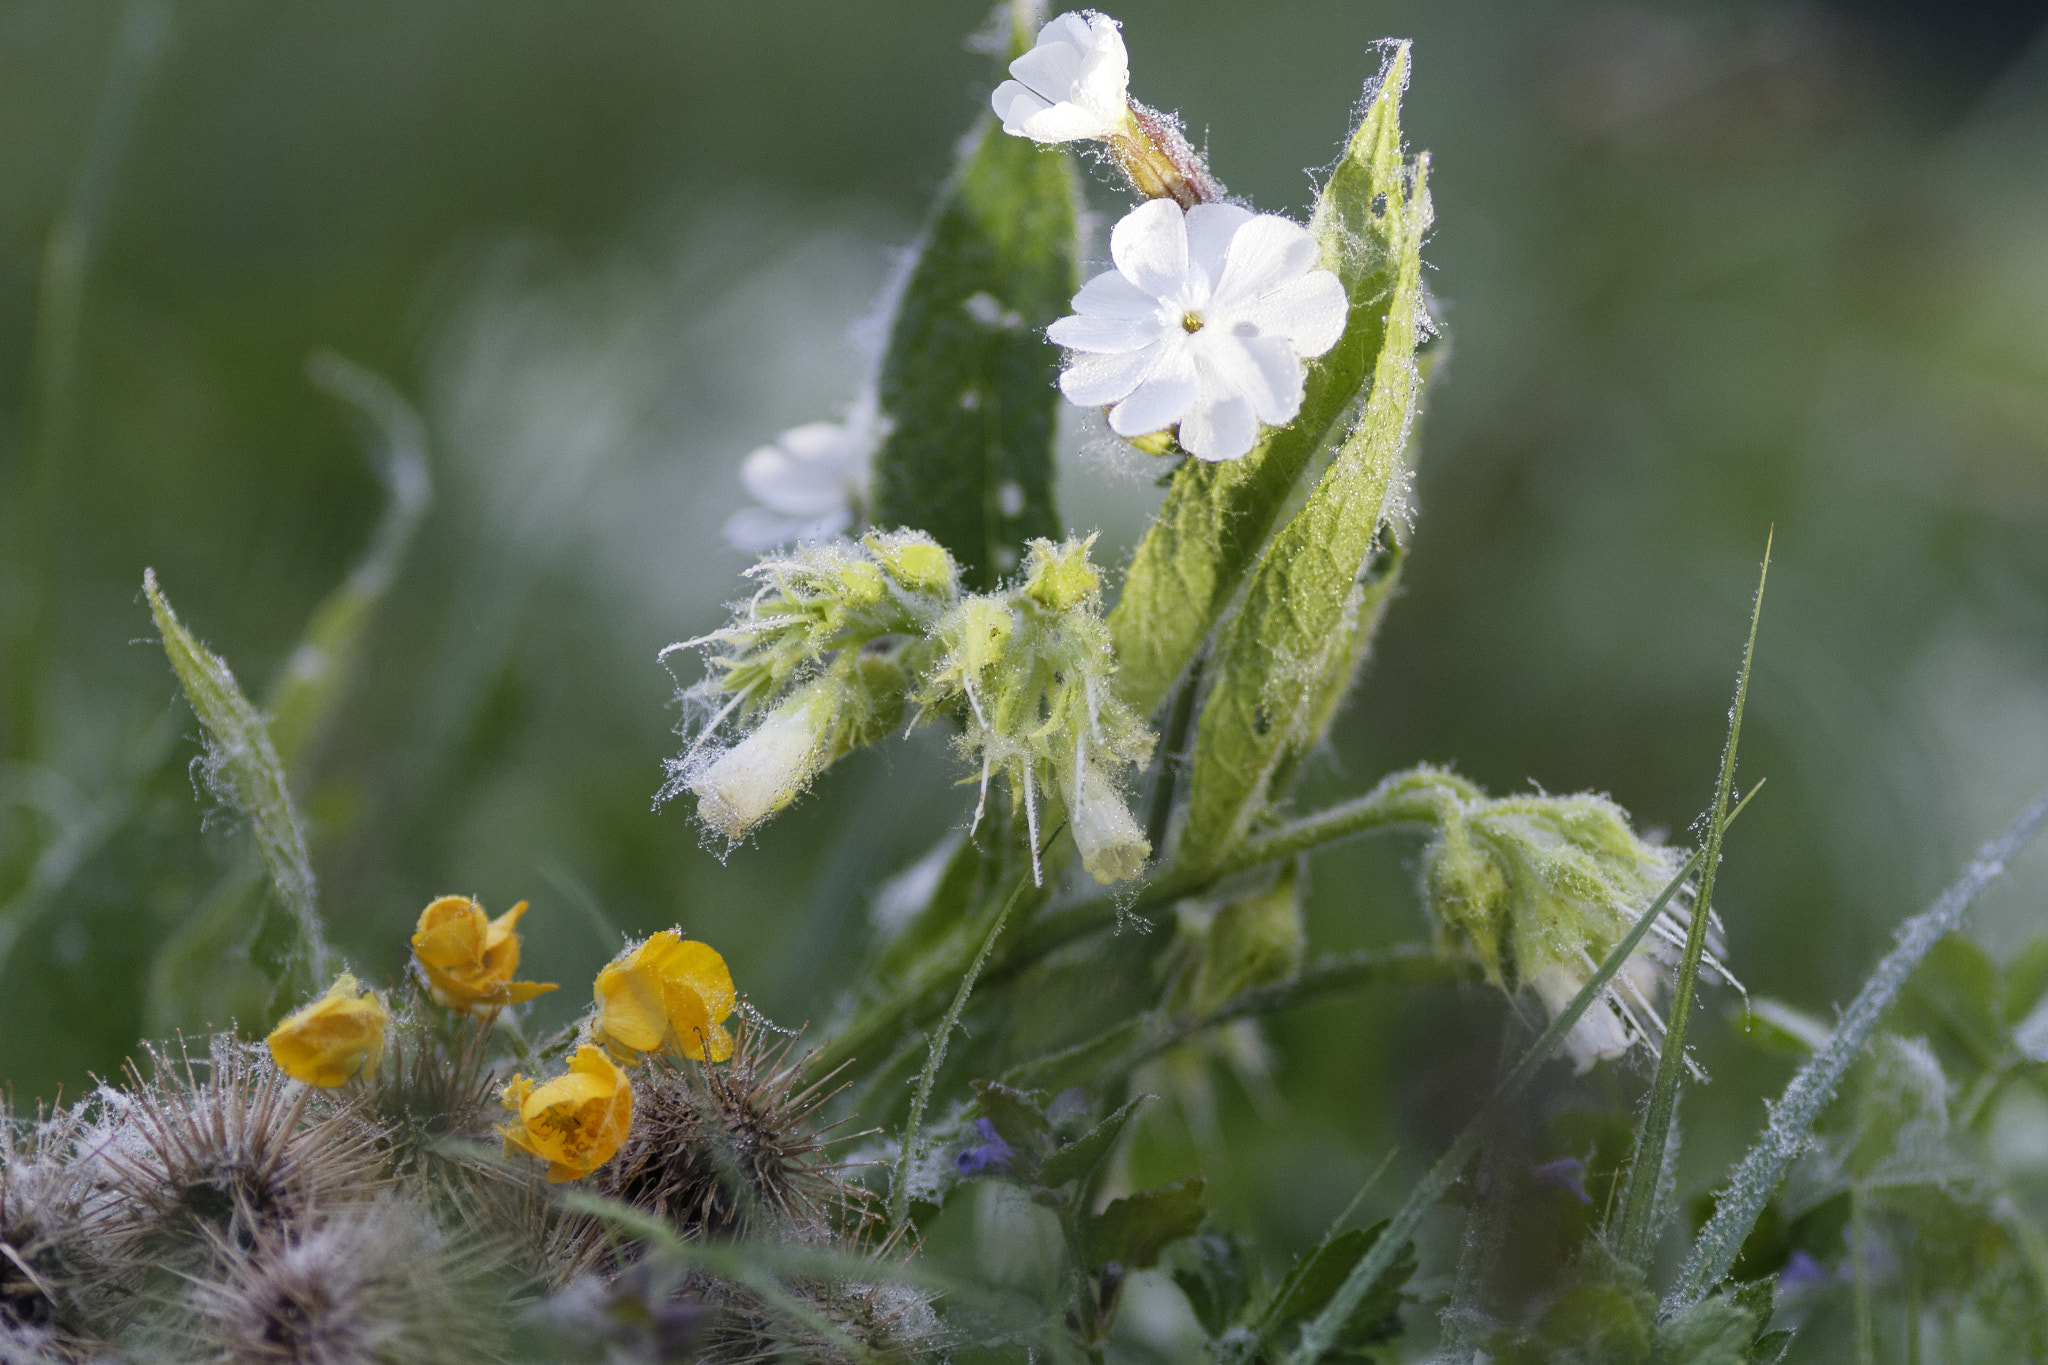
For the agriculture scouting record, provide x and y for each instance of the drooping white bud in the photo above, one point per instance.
(1600, 1035)
(765, 771)
(1112, 847)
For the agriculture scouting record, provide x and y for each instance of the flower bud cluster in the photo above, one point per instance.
(1032, 667)
(1541, 888)
(842, 636)
(819, 661)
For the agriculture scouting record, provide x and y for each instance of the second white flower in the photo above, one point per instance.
(1204, 324)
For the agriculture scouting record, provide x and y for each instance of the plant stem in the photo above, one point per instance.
(1170, 757)
(899, 1194)
(1641, 1221)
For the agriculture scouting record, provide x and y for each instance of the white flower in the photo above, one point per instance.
(765, 771)
(1112, 847)
(810, 482)
(1074, 83)
(1204, 323)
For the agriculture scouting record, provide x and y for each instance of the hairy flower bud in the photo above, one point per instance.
(764, 772)
(1541, 889)
(1112, 847)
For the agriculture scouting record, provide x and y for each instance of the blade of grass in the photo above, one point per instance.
(1318, 1336)
(1639, 1218)
(1753, 1183)
(395, 439)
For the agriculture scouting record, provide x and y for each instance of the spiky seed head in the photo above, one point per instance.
(375, 1283)
(63, 1283)
(223, 1146)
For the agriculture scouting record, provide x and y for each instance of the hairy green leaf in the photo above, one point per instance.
(242, 768)
(970, 384)
(1214, 1272)
(1319, 1274)
(1217, 517)
(1133, 1230)
(1079, 1158)
(1323, 582)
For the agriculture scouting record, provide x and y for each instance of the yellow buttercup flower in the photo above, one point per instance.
(469, 959)
(667, 993)
(331, 1040)
(576, 1121)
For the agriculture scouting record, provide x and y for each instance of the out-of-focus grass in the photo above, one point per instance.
(1706, 269)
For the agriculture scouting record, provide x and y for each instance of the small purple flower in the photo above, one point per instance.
(992, 1154)
(1803, 1274)
(1566, 1173)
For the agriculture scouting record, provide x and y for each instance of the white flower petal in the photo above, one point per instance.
(1016, 105)
(1162, 399)
(1266, 253)
(1110, 295)
(1210, 228)
(1309, 313)
(1092, 381)
(1219, 428)
(1263, 370)
(796, 483)
(755, 529)
(1065, 122)
(1083, 333)
(1105, 83)
(1051, 68)
(1150, 248)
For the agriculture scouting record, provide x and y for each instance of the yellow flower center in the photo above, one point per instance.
(1191, 321)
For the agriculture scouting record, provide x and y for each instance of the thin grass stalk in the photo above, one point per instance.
(1641, 1216)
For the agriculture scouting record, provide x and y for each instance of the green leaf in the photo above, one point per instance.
(1019, 1115)
(1320, 589)
(1317, 1276)
(1133, 1230)
(1214, 1273)
(969, 383)
(1714, 1331)
(396, 441)
(242, 768)
(1251, 942)
(1079, 1158)
(1217, 517)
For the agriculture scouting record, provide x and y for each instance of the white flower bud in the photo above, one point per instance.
(1600, 1035)
(1112, 847)
(1073, 85)
(764, 772)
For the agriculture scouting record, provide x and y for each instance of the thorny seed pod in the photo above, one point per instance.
(721, 1150)
(378, 1283)
(225, 1155)
(62, 1280)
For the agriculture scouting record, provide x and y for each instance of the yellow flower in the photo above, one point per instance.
(468, 959)
(667, 993)
(576, 1121)
(329, 1041)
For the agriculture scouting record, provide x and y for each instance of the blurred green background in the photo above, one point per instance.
(1708, 269)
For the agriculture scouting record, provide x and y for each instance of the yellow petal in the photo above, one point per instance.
(451, 933)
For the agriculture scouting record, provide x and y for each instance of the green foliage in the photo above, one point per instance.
(1317, 1276)
(242, 769)
(1217, 518)
(969, 381)
(1134, 1230)
(1323, 579)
